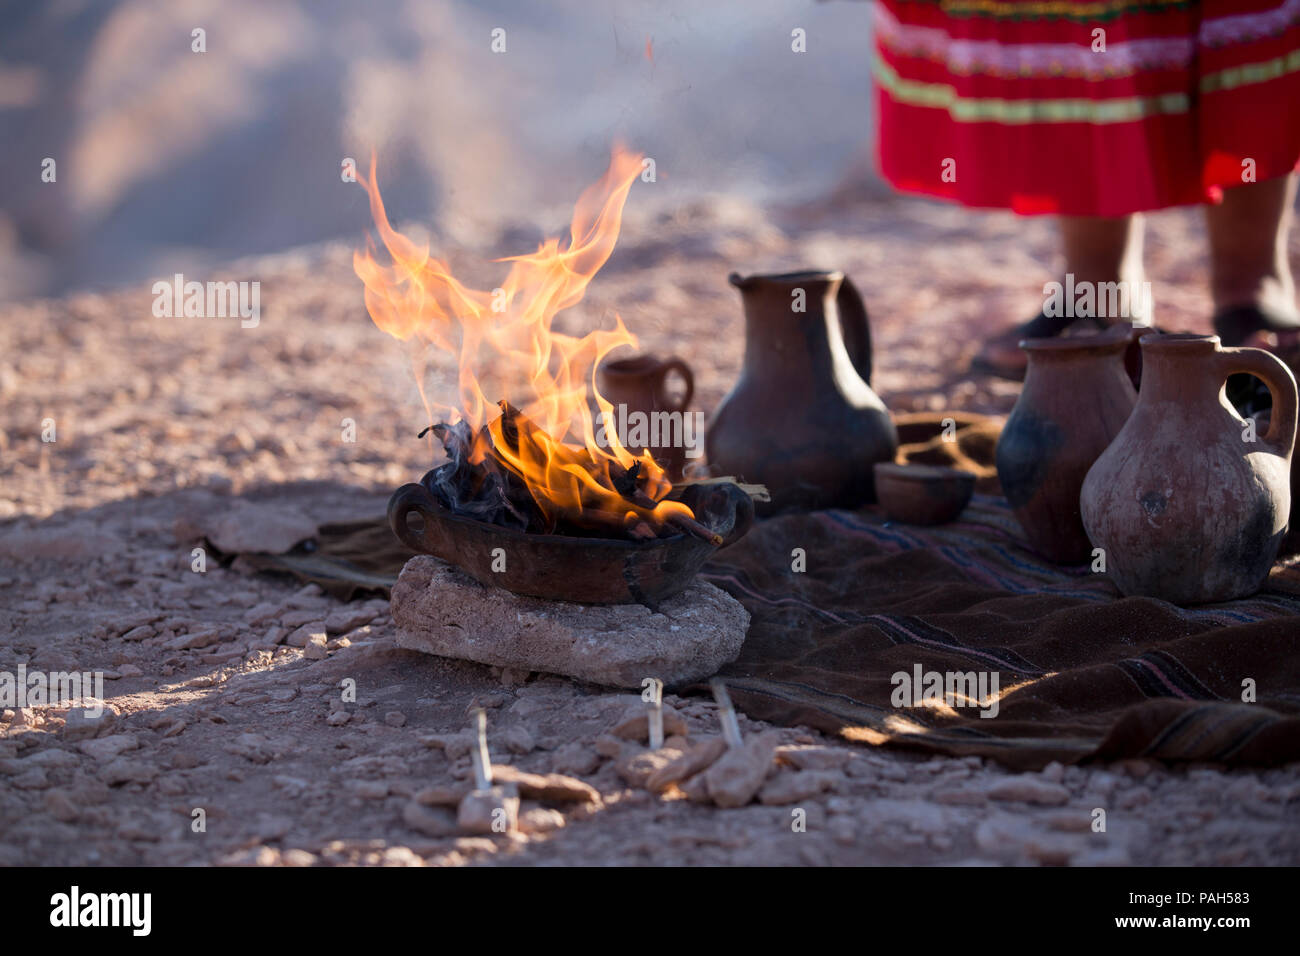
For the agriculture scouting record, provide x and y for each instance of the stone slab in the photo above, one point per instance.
(440, 610)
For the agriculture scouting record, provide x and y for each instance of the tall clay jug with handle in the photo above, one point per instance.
(802, 419)
(1188, 503)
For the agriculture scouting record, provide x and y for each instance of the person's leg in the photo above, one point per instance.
(1248, 257)
(1097, 249)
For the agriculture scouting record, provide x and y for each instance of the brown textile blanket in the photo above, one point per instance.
(1081, 673)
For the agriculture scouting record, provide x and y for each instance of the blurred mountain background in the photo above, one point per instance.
(171, 160)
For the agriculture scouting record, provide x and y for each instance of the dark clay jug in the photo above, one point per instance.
(1189, 503)
(1076, 398)
(640, 384)
(802, 419)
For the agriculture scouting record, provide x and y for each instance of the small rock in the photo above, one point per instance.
(303, 635)
(261, 613)
(106, 748)
(695, 789)
(139, 633)
(1077, 821)
(315, 649)
(123, 770)
(635, 722)
(690, 762)
(736, 776)
(517, 739)
(434, 822)
(554, 787)
(1136, 767)
(247, 527)
(814, 758)
(440, 796)
(61, 806)
(295, 619)
(52, 758)
(338, 718)
(575, 757)
(495, 810)
(349, 618)
(787, 788)
(540, 820)
(129, 670)
(638, 766)
(34, 779)
(962, 797)
(85, 723)
(395, 718)
(193, 640)
(1030, 789)
(453, 745)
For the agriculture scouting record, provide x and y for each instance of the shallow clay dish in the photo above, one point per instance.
(922, 494)
(563, 568)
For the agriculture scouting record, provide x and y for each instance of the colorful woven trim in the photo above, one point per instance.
(966, 57)
(1249, 27)
(1250, 73)
(1020, 112)
(1017, 112)
(1102, 10)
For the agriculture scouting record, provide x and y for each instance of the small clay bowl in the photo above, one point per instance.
(922, 494)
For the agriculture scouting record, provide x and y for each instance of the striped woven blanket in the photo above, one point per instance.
(957, 639)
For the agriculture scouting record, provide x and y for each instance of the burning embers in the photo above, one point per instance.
(486, 478)
(535, 464)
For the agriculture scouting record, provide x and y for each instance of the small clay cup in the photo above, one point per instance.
(641, 384)
(922, 494)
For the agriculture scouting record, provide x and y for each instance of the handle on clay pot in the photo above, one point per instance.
(666, 368)
(408, 498)
(1274, 373)
(856, 327)
(744, 519)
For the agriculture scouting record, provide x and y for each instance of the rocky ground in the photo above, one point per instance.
(226, 689)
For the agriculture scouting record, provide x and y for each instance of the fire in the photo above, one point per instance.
(506, 335)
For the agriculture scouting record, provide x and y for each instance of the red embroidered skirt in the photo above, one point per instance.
(1086, 108)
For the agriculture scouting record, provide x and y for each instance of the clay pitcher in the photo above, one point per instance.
(802, 418)
(1188, 502)
(1076, 398)
(640, 385)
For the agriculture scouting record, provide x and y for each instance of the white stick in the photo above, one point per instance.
(657, 716)
(479, 752)
(730, 726)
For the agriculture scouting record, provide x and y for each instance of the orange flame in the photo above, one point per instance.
(505, 335)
